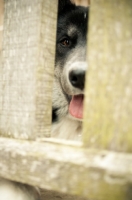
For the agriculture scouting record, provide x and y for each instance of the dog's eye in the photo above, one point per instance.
(65, 42)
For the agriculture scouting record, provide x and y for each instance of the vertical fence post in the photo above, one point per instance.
(1, 23)
(26, 73)
(108, 102)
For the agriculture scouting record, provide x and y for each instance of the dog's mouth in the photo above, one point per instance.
(76, 106)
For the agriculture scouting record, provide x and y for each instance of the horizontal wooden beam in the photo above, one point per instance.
(93, 174)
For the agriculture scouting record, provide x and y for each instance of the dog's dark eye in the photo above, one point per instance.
(65, 42)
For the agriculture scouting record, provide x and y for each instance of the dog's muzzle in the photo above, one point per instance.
(77, 80)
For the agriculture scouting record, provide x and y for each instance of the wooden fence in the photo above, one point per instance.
(101, 167)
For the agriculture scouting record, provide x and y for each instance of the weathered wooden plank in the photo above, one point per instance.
(108, 107)
(93, 174)
(26, 72)
(1, 24)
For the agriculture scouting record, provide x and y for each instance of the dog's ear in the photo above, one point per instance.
(65, 4)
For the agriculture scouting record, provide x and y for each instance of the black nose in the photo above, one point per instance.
(77, 78)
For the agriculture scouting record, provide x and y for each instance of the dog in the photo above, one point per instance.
(70, 70)
(68, 88)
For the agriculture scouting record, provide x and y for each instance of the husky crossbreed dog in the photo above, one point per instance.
(68, 89)
(70, 68)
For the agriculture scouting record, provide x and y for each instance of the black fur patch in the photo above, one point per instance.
(65, 5)
(54, 114)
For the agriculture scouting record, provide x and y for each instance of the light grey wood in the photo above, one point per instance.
(93, 174)
(108, 102)
(1, 23)
(26, 72)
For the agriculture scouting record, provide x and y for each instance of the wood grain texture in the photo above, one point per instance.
(26, 73)
(93, 174)
(1, 23)
(108, 102)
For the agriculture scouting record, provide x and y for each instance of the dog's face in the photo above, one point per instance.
(70, 66)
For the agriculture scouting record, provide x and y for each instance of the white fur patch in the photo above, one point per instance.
(85, 15)
(11, 191)
(68, 129)
(8, 192)
(71, 30)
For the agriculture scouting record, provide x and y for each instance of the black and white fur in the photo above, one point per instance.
(70, 57)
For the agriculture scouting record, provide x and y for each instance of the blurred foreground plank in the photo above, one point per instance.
(94, 174)
(108, 104)
(26, 72)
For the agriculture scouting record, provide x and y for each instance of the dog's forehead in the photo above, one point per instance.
(71, 30)
(79, 14)
(76, 17)
(74, 21)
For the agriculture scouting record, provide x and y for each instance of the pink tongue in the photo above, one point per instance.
(76, 106)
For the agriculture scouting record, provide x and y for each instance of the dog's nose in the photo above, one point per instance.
(77, 78)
